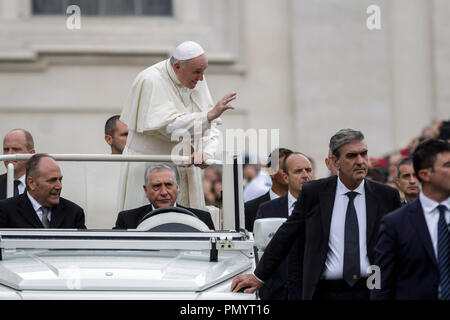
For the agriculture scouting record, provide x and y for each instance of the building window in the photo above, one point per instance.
(105, 7)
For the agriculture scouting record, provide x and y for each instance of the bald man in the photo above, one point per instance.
(167, 102)
(16, 141)
(297, 170)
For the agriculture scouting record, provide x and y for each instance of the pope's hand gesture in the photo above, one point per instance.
(221, 106)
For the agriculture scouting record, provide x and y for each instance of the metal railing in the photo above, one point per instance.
(52, 239)
(178, 160)
(120, 240)
(232, 215)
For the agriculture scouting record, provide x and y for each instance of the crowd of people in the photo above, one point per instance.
(394, 169)
(212, 185)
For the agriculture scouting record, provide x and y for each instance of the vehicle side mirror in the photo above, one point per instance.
(264, 230)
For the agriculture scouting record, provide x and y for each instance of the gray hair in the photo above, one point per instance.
(160, 166)
(173, 60)
(342, 137)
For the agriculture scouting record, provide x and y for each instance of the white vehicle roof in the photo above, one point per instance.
(121, 260)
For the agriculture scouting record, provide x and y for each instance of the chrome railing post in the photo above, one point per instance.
(10, 181)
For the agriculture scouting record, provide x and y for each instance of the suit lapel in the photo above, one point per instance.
(417, 218)
(143, 211)
(284, 203)
(372, 205)
(326, 200)
(26, 210)
(57, 216)
(3, 186)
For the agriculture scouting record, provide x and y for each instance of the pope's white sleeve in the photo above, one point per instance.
(211, 140)
(188, 122)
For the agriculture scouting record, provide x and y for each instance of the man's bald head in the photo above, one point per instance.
(18, 141)
(297, 171)
(44, 179)
(27, 137)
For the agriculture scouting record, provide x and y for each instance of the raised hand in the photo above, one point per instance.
(221, 106)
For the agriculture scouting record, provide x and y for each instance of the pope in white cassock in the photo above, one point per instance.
(165, 102)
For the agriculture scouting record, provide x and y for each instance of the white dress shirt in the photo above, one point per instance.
(258, 186)
(431, 213)
(273, 195)
(334, 264)
(291, 203)
(153, 207)
(38, 208)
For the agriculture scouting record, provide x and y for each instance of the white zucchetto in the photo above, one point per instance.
(188, 50)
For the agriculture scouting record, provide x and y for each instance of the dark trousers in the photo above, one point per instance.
(340, 290)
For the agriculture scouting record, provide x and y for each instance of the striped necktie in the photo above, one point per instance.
(443, 255)
(45, 221)
(16, 188)
(352, 269)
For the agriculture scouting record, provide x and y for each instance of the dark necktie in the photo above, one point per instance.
(16, 187)
(45, 220)
(352, 269)
(443, 255)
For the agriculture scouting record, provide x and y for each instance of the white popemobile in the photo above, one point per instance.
(150, 262)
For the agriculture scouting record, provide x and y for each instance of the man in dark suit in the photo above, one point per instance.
(335, 221)
(412, 250)
(297, 170)
(279, 188)
(161, 191)
(41, 205)
(16, 141)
